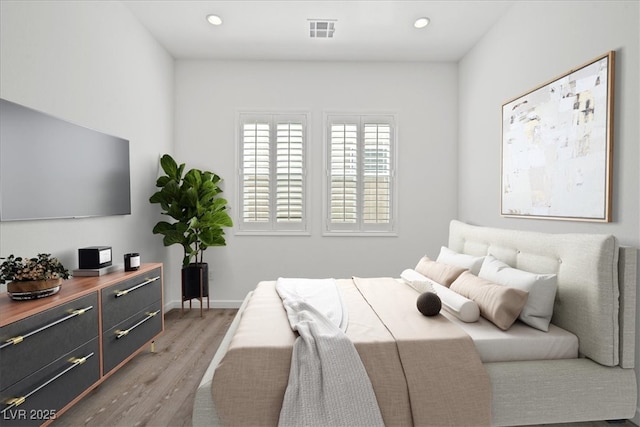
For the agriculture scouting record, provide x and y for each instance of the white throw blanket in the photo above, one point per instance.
(328, 384)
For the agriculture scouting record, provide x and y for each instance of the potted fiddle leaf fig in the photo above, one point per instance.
(197, 217)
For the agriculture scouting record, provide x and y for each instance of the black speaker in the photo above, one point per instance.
(93, 257)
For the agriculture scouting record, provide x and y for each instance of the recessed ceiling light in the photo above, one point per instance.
(421, 22)
(214, 20)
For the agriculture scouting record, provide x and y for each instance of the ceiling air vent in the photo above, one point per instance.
(321, 28)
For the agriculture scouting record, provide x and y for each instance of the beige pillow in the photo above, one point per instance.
(499, 304)
(439, 272)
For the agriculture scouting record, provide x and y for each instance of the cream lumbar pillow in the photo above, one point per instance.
(541, 287)
(499, 304)
(470, 262)
(461, 307)
(439, 272)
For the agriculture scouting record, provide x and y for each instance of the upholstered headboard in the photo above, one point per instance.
(596, 298)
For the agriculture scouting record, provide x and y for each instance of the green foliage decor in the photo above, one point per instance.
(42, 267)
(192, 200)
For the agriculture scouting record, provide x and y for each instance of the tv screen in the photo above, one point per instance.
(50, 168)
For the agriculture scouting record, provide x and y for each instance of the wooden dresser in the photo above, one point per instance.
(54, 350)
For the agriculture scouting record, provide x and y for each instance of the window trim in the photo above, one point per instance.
(272, 227)
(358, 229)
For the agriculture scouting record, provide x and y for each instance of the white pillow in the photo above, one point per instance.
(542, 289)
(470, 262)
(461, 307)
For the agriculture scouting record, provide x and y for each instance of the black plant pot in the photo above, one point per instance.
(191, 281)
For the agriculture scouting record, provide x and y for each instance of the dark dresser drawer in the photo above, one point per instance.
(44, 337)
(122, 340)
(128, 297)
(51, 388)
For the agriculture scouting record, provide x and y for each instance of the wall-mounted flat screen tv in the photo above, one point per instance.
(50, 168)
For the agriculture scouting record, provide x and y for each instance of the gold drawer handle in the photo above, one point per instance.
(15, 340)
(18, 339)
(133, 288)
(121, 333)
(16, 401)
(77, 360)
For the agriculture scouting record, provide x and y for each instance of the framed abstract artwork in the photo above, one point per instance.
(557, 143)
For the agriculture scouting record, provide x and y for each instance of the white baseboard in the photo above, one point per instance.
(177, 304)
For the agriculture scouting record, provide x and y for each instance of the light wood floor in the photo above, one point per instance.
(157, 389)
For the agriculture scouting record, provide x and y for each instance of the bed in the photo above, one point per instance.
(584, 372)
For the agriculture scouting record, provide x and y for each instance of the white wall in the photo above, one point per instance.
(518, 55)
(424, 96)
(533, 43)
(93, 64)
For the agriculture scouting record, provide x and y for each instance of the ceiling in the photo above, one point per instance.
(375, 30)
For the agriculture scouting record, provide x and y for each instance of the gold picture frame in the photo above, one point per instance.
(557, 147)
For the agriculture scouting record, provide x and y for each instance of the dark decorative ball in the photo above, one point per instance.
(429, 304)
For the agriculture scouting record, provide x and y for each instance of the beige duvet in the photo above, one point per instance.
(425, 371)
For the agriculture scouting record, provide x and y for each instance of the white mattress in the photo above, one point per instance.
(520, 342)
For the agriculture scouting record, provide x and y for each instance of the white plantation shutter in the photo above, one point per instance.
(289, 172)
(272, 172)
(377, 174)
(343, 173)
(360, 173)
(255, 167)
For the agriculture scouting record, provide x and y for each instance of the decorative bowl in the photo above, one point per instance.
(33, 289)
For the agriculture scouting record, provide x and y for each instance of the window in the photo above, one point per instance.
(272, 172)
(360, 174)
